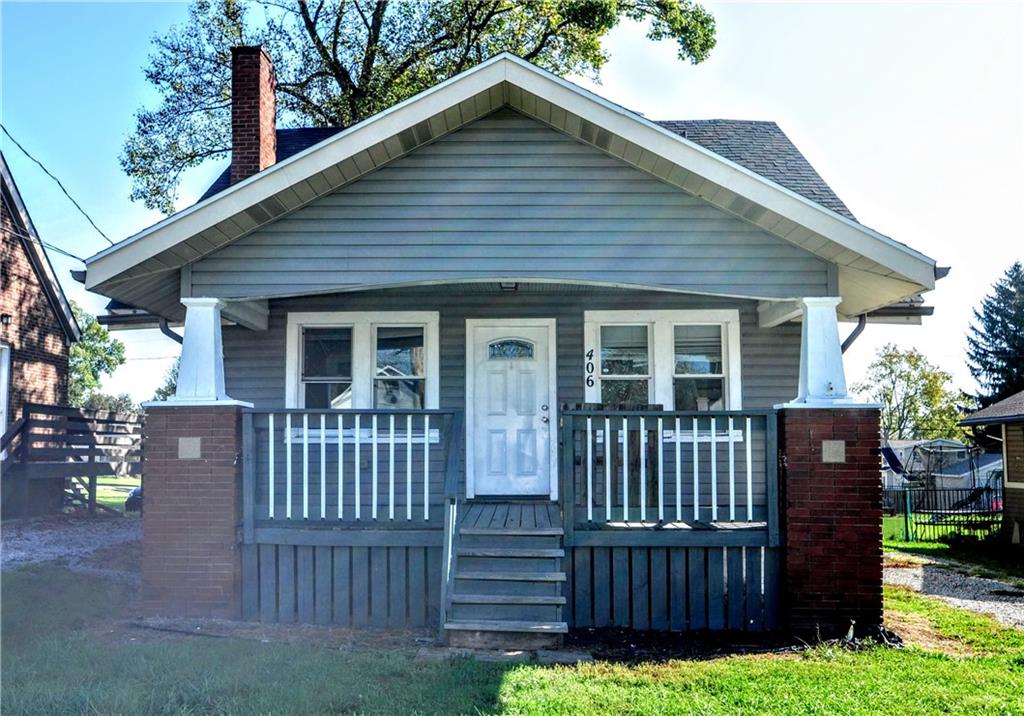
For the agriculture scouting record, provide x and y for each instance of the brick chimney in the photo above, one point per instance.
(253, 110)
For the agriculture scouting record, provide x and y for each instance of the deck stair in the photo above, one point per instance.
(509, 573)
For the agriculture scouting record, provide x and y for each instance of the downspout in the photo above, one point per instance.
(166, 330)
(862, 322)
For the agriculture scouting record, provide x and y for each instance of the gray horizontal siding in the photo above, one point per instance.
(254, 361)
(508, 197)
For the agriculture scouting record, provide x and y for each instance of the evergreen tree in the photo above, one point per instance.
(995, 343)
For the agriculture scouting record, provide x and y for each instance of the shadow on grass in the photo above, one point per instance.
(65, 650)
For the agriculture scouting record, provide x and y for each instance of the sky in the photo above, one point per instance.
(913, 113)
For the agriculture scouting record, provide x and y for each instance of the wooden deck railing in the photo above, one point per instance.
(355, 468)
(656, 468)
(49, 442)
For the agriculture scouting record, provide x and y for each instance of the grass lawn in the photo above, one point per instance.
(112, 490)
(63, 654)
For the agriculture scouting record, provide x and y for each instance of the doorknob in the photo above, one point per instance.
(543, 407)
(545, 419)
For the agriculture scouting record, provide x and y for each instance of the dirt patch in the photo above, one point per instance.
(64, 537)
(916, 630)
(902, 562)
(630, 647)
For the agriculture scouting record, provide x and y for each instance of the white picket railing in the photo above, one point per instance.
(347, 465)
(659, 467)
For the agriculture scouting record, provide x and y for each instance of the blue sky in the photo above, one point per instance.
(914, 113)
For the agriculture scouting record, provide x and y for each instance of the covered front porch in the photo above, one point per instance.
(545, 479)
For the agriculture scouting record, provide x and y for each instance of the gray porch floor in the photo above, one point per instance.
(506, 514)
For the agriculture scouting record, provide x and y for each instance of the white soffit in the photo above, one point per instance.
(877, 269)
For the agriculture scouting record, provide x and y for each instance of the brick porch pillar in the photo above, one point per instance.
(190, 545)
(831, 511)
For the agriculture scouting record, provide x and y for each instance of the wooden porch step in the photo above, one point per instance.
(513, 531)
(512, 576)
(501, 625)
(509, 552)
(539, 599)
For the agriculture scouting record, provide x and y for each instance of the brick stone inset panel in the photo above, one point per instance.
(190, 545)
(832, 518)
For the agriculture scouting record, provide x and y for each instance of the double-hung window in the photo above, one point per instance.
(343, 360)
(681, 360)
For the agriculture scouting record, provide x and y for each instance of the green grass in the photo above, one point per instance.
(57, 660)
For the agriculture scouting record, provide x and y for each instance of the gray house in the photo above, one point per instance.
(511, 352)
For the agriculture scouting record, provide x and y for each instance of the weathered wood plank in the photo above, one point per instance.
(418, 599)
(602, 570)
(677, 586)
(772, 587)
(397, 585)
(583, 607)
(659, 589)
(621, 592)
(323, 577)
(304, 585)
(755, 611)
(735, 594)
(379, 586)
(250, 581)
(360, 586)
(268, 582)
(640, 589)
(696, 587)
(285, 584)
(716, 588)
(631, 537)
(343, 586)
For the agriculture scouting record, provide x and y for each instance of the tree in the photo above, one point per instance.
(94, 355)
(995, 345)
(170, 385)
(340, 61)
(917, 400)
(121, 403)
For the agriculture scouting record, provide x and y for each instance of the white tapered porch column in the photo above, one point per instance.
(201, 371)
(822, 378)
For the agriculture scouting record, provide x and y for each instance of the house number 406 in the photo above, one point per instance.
(590, 368)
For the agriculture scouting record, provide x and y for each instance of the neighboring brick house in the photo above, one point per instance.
(37, 326)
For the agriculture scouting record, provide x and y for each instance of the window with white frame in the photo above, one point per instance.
(681, 360)
(384, 360)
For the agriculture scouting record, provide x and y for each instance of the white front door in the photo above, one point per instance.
(510, 407)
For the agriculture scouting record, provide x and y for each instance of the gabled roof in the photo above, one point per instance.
(873, 270)
(1009, 410)
(761, 147)
(26, 233)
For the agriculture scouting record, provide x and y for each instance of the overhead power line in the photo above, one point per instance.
(46, 244)
(50, 174)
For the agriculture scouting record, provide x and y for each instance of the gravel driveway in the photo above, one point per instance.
(63, 537)
(978, 594)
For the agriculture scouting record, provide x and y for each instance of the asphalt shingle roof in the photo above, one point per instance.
(1008, 410)
(761, 147)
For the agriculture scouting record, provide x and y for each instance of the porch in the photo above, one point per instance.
(663, 520)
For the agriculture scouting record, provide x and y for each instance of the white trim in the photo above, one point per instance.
(661, 348)
(364, 325)
(551, 324)
(718, 171)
